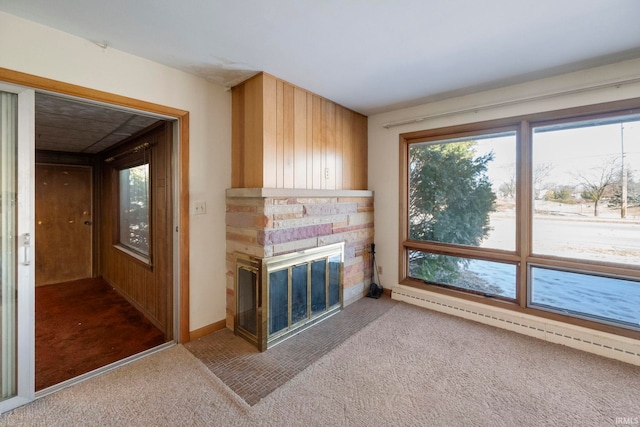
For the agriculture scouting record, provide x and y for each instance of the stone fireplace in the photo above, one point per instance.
(299, 178)
(285, 245)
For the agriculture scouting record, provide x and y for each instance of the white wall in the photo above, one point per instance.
(32, 48)
(35, 49)
(384, 143)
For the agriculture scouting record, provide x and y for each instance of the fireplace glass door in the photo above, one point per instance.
(248, 304)
(248, 298)
(302, 289)
(279, 296)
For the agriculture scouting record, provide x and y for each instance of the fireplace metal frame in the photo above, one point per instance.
(262, 268)
(252, 265)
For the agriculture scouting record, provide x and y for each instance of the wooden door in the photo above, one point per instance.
(63, 230)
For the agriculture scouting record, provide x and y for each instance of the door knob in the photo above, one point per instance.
(87, 223)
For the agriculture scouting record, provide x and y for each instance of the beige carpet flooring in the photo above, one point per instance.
(252, 375)
(410, 367)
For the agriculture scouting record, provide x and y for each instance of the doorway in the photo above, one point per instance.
(99, 299)
(18, 312)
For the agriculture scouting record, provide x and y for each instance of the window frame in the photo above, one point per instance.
(522, 257)
(129, 162)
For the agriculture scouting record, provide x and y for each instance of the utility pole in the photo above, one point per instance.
(623, 208)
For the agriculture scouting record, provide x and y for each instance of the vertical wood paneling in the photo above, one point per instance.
(237, 136)
(310, 134)
(253, 130)
(148, 288)
(361, 160)
(317, 153)
(300, 138)
(339, 147)
(286, 137)
(348, 150)
(329, 113)
(269, 138)
(63, 197)
(280, 117)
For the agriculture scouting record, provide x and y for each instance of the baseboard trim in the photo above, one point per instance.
(206, 330)
(597, 342)
(156, 322)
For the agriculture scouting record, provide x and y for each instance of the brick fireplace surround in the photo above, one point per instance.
(264, 222)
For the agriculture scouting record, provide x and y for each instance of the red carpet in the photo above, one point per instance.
(84, 325)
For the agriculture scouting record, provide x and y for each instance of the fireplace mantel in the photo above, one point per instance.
(293, 192)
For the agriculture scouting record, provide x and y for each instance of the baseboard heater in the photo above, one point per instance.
(597, 342)
(280, 296)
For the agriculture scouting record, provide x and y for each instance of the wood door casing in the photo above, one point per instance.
(182, 119)
(63, 229)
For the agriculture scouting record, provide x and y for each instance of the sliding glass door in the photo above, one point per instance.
(16, 229)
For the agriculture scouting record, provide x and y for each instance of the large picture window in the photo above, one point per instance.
(587, 189)
(540, 214)
(462, 193)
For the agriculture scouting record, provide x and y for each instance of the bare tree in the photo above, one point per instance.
(597, 181)
(541, 172)
(508, 188)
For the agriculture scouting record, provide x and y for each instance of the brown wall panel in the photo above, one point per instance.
(278, 171)
(330, 155)
(254, 131)
(269, 135)
(148, 286)
(64, 218)
(286, 137)
(339, 149)
(289, 119)
(317, 153)
(360, 162)
(300, 138)
(348, 150)
(309, 120)
(237, 136)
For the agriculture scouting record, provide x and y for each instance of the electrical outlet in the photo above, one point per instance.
(326, 173)
(379, 269)
(199, 208)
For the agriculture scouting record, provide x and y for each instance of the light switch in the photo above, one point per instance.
(199, 208)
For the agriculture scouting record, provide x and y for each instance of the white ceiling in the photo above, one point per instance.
(369, 55)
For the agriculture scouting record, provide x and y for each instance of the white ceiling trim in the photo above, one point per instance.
(506, 103)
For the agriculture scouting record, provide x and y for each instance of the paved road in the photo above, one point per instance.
(596, 240)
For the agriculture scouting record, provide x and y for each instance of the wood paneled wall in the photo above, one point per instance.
(64, 218)
(287, 137)
(147, 287)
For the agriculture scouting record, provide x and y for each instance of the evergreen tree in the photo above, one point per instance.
(450, 198)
